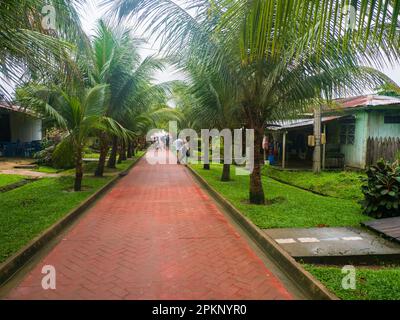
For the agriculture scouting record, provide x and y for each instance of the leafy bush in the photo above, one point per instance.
(63, 156)
(59, 156)
(44, 157)
(382, 190)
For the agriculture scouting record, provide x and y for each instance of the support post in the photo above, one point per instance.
(284, 150)
(324, 150)
(317, 135)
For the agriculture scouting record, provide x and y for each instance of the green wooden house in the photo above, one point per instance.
(359, 131)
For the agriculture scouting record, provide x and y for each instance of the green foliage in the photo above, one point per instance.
(379, 283)
(272, 59)
(29, 49)
(287, 207)
(382, 190)
(44, 156)
(390, 90)
(63, 156)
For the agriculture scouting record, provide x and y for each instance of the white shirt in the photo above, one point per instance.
(179, 144)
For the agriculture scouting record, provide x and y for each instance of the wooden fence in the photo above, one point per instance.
(386, 148)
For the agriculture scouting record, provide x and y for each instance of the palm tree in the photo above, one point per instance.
(80, 114)
(283, 55)
(30, 50)
(215, 106)
(389, 89)
(116, 61)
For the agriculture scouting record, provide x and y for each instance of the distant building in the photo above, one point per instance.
(20, 131)
(359, 131)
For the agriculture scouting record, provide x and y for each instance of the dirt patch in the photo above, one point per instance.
(8, 163)
(29, 173)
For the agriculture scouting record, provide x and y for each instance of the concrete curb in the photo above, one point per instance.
(311, 286)
(19, 259)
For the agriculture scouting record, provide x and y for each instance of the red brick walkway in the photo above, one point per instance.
(156, 235)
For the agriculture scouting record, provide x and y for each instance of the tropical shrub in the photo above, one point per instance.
(382, 190)
(44, 156)
(63, 156)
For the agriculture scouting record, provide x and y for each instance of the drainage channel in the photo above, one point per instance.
(17, 185)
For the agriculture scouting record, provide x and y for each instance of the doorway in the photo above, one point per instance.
(5, 130)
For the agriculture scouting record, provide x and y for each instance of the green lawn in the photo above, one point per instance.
(372, 283)
(27, 211)
(344, 185)
(6, 179)
(46, 169)
(91, 155)
(288, 206)
(90, 167)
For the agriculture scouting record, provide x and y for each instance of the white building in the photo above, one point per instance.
(18, 128)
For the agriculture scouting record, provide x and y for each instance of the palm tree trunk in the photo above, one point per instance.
(133, 149)
(256, 188)
(226, 173)
(122, 152)
(78, 170)
(104, 147)
(113, 156)
(129, 151)
(125, 149)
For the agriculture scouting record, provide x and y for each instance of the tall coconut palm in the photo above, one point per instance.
(80, 114)
(215, 107)
(283, 55)
(116, 62)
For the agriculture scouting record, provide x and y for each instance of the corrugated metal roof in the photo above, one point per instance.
(298, 123)
(14, 108)
(339, 104)
(366, 101)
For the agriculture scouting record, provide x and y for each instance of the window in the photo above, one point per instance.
(391, 119)
(347, 133)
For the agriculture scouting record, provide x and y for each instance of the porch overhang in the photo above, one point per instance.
(294, 124)
(4, 106)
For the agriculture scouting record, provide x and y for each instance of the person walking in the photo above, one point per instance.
(178, 148)
(157, 145)
(167, 141)
(185, 152)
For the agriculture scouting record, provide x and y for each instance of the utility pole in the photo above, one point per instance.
(317, 135)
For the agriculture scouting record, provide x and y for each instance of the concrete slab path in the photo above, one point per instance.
(156, 235)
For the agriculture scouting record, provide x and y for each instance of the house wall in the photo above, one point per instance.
(379, 129)
(368, 124)
(25, 128)
(355, 154)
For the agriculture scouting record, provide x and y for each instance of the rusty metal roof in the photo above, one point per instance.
(366, 101)
(14, 108)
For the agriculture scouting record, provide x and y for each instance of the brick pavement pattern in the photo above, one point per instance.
(155, 235)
